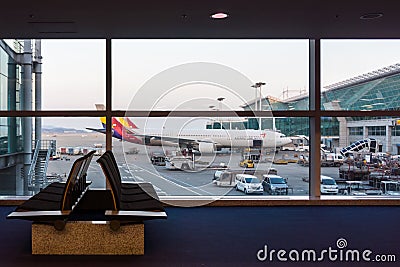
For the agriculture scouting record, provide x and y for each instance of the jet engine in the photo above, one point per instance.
(206, 148)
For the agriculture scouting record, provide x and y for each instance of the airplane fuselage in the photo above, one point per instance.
(203, 139)
(220, 137)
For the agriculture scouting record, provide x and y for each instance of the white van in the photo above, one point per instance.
(248, 184)
(328, 185)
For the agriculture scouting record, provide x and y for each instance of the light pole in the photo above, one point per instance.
(256, 86)
(255, 96)
(212, 107)
(220, 99)
(220, 102)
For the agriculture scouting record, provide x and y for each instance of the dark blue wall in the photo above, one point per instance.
(232, 236)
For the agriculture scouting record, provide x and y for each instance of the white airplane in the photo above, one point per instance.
(202, 140)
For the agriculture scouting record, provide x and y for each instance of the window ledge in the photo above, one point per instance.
(248, 201)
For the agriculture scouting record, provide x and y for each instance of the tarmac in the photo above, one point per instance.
(138, 167)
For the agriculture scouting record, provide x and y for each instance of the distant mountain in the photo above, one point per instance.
(59, 130)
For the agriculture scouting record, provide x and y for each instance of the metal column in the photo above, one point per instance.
(27, 105)
(37, 69)
(108, 95)
(388, 142)
(12, 100)
(315, 119)
(365, 132)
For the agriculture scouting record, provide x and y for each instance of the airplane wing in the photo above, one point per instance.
(97, 130)
(174, 139)
(177, 140)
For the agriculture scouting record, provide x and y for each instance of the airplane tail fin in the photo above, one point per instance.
(100, 106)
(126, 122)
(102, 119)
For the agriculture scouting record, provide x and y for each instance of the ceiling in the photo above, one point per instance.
(191, 19)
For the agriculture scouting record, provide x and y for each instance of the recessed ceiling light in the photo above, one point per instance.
(219, 15)
(371, 16)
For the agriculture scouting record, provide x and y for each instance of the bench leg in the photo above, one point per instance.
(115, 225)
(59, 225)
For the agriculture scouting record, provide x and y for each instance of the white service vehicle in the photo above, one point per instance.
(331, 159)
(179, 163)
(248, 184)
(328, 185)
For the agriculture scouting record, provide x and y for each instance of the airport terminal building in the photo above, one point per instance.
(20, 89)
(377, 90)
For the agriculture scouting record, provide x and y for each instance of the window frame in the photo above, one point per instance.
(314, 114)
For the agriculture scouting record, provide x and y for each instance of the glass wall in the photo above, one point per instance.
(184, 157)
(4, 59)
(11, 135)
(73, 74)
(60, 75)
(361, 76)
(370, 82)
(364, 162)
(172, 91)
(3, 101)
(209, 74)
(3, 136)
(73, 139)
(10, 99)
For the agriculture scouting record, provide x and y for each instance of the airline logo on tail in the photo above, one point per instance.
(121, 127)
(126, 122)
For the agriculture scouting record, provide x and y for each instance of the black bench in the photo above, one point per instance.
(56, 202)
(89, 212)
(131, 202)
(120, 203)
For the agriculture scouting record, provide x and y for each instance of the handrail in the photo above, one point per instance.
(33, 163)
(44, 174)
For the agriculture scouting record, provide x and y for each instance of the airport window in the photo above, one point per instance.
(72, 73)
(11, 138)
(18, 95)
(376, 130)
(293, 126)
(372, 83)
(357, 159)
(3, 136)
(62, 141)
(356, 131)
(3, 62)
(133, 108)
(229, 80)
(396, 130)
(368, 85)
(3, 92)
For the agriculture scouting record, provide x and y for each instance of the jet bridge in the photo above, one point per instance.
(368, 144)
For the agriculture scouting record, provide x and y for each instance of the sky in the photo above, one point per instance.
(74, 71)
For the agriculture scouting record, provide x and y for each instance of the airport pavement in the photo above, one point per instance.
(137, 167)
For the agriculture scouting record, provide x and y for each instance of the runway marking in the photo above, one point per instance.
(174, 183)
(138, 179)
